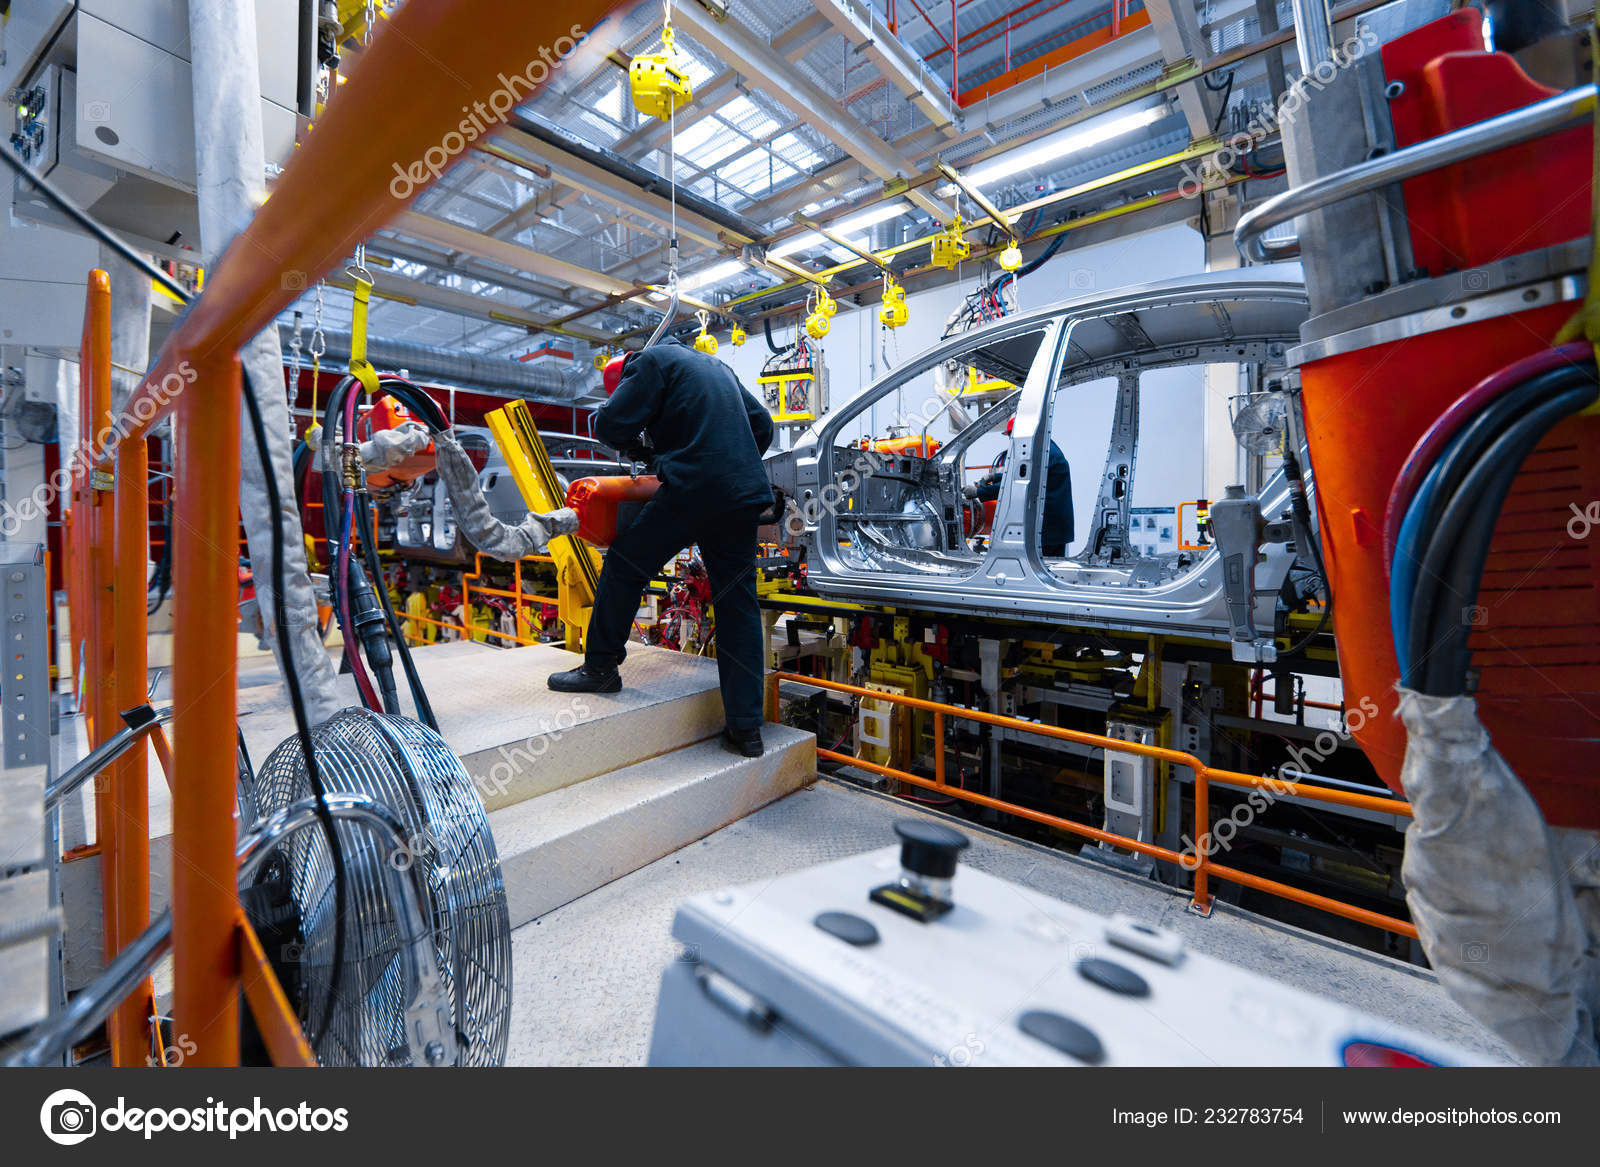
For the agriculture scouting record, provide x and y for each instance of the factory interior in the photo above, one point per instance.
(878, 533)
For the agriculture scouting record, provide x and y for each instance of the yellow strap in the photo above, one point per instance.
(361, 368)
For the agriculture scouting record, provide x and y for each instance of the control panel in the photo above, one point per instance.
(906, 957)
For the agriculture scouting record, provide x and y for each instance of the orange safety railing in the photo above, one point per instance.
(108, 546)
(1198, 862)
(383, 140)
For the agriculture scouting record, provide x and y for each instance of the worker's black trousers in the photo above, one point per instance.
(728, 549)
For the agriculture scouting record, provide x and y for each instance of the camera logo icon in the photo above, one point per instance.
(68, 1117)
(294, 281)
(97, 111)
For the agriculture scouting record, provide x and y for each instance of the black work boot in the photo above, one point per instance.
(587, 678)
(744, 741)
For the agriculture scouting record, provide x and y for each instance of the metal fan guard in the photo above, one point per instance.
(450, 856)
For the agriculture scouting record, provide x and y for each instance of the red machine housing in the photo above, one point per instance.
(387, 414)
(607, 505)
(1536, 637)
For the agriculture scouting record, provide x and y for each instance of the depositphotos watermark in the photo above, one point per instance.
(142, 409)
(483, 116)
(1270, 121)
(69, 1117)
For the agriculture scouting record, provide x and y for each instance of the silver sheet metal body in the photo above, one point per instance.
(892, 534)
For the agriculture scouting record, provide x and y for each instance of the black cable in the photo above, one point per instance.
(291, 678)
(1452, 568)
(1033, 264)
(766, 326)
(291, 681)
(423, 406)
(1447, 520)
(333, 505)
(1226, 89)
(369, 548)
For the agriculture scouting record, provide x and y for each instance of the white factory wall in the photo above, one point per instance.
(1170, 467)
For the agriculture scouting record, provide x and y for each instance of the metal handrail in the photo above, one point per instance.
(106, 752)
(49, 1042)
(1198, 862)
(1530, 121)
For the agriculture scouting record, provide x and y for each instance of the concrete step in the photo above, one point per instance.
(564, 844)
(516, 738)
(519, 740)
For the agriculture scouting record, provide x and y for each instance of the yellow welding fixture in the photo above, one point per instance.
(658, 81)
(894, 312)
(950, 247)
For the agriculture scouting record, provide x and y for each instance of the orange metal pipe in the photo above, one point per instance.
(1199, 863)
(938, 750)
(383, 140)
(1037, 816)
(1312, 900)
(1315, 793)
(127, 861)
(98, 617)
(205, 898)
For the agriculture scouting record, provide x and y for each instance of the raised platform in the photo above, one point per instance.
(581, 788)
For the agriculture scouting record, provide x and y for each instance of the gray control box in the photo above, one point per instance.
(806, 970)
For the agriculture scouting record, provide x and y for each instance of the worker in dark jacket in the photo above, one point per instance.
(1058, 525)
(705, 435)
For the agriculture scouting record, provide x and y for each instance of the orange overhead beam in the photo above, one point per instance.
(1058, 56)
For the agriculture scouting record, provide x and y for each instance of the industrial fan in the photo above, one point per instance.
(1260, 421)
(442, 954)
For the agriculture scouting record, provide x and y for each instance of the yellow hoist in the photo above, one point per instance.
(658, 81)
(820, 316)
(705, 342)
(950, 247)
(737, 337)
(894, 312)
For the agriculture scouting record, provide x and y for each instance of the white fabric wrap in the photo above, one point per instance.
(1508, 907)
(488, 534)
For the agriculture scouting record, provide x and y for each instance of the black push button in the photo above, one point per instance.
(850, 929)
(929, 849)
(1063, 1033)
(1117, 977)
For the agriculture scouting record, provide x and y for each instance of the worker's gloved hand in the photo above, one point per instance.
(970, 490)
